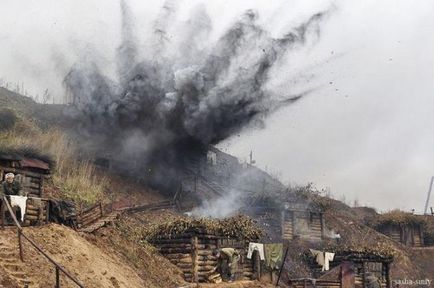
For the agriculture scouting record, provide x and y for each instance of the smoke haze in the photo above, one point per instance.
(165, 108)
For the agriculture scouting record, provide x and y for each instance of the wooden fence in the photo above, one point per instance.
(90, 215)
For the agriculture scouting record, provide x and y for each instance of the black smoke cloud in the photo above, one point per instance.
(167, 108)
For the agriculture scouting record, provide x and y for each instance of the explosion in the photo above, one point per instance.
(168, 108)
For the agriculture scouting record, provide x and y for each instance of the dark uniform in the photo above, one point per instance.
(228, 263)
(13, 188)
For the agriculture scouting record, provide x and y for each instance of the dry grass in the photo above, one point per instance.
(397, 218)
(75, 178)
(239, 227)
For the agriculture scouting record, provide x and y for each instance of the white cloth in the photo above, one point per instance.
(323, 258)
(19, 201)
(258, 247)
(327, 258)
(319, 256)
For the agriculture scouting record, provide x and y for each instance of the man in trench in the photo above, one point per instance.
(227, 263)
(9, 187)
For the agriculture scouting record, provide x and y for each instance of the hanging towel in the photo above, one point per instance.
(258, 247)
(19, 201)
(323, 258)
(319, 257)
(273, 255)
(327, 258)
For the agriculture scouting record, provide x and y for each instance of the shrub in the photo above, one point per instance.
(8, 118)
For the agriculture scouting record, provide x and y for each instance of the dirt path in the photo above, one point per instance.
(238, 284)
(10, 262)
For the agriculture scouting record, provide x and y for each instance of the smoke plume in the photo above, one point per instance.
(169, 106)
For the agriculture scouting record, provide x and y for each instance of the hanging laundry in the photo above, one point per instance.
(19, 201)
(319, 256)
(323, 258)
(258, 247)
(327, 258)
(273, 255)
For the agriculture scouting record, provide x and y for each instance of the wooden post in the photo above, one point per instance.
(194, 258)
(322, 225)
(364, 270)
(101, 208)
(57, 277)
(282, 266)
(347, 275)
(388, 280)
(2, 211)
(20, 245)
(48, 212)
(256, 265)
(40, 215)
(41, 186)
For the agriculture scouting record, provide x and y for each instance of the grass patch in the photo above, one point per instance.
(73, 177)
(397, 218)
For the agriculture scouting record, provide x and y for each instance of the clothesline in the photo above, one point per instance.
(29, 197)
(21, 202)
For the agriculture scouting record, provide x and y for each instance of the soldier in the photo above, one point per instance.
(227, 262)
(372, 281)
(10, 186)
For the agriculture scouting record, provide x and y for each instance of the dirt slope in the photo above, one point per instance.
(95, 265)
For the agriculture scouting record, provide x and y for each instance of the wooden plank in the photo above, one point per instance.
(194, 254)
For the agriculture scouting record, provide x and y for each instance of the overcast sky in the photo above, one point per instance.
(366, 131)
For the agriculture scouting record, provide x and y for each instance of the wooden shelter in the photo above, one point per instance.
(189, 244)
(352, 268)
(402, 227)
(302, 221)
(31, 170)
(295, 219)
(192, 252)
(408, 234)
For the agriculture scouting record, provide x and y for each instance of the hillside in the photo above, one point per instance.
(44, 115)
(118, 255)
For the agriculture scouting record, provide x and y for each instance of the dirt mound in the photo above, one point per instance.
(91, 264)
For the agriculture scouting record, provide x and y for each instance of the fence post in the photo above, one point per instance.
(57, 277)
(20, 245)
(2, 211)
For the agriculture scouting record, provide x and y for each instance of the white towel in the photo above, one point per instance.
(319, 256)
(258, 247)
(19, 201)
(323, 258)
(327, 258)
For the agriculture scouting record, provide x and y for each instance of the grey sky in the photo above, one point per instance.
(366, 132)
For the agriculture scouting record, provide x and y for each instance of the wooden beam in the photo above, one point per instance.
(194, 254)
(347, 277)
